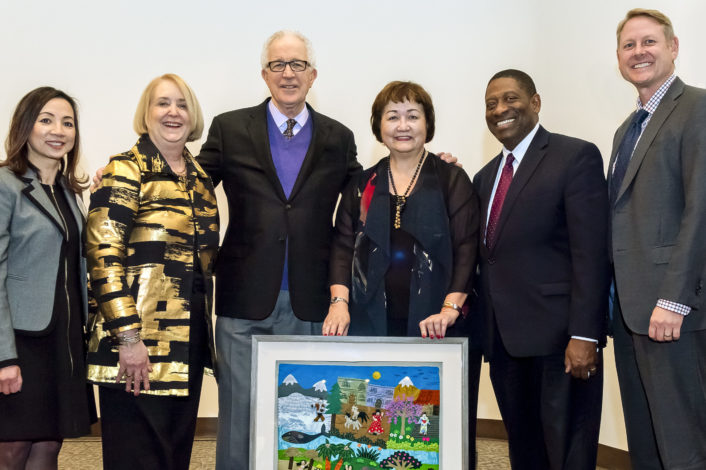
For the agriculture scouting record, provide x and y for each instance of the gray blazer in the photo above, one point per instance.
(31, 234)
(659, 217)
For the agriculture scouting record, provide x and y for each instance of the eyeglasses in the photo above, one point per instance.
(296, 65)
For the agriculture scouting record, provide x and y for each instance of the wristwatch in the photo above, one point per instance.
(338, 299)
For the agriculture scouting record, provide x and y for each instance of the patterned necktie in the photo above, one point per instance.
(289, 131)
(497, 206)
(627, 147)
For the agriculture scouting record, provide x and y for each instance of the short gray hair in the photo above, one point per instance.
(310, 58)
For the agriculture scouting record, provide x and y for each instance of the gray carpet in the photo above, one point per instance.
(85, 454)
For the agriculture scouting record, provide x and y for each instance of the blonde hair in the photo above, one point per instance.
(656, 15)
(264, 57)
(192, 106)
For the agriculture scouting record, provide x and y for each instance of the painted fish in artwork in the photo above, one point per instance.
(296, 437)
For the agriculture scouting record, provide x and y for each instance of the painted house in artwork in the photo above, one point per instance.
(353, 387)
(379, 396)
(429, 399)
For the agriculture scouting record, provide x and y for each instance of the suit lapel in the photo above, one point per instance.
(36, 194)
(619, 134)
(664, 109)
(485, 191)
(78, 209)
(530, 161)
(316, 147)
(257, 128)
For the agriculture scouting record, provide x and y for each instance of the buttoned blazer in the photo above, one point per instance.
(547, 276)
(31, 238)
(658, 243)
(265, 226)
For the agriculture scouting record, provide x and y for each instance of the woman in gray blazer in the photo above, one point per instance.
(43, 393)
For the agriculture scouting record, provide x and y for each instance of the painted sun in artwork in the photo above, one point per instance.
(376, 375)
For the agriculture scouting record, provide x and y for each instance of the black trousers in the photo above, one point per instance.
(552, 420)
(155, 432)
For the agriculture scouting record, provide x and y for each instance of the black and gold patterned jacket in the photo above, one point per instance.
(145, 225)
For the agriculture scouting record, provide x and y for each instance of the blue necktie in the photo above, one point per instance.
(627, 146)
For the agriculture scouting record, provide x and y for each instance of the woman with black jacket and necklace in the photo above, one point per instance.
(406, 231)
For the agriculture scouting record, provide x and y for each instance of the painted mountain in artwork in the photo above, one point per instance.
(290, 385)
(289, 380)
(406, 388)
(320, 386)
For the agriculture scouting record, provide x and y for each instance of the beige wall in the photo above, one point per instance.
(105, 54)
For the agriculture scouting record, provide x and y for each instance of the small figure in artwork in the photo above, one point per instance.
(423, 424)
(319, 407)
(376, 426)
(351, 423)
(354, 412)
(355, 418)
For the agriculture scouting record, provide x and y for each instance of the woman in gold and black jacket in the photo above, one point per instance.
(152, 237)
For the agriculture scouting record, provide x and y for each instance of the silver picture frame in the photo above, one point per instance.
(451, 354)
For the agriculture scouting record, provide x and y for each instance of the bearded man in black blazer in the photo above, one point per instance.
(544, 272)
(283, 166)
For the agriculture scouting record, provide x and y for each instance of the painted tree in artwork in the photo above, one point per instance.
(311, 454)
(334, 404)
(344, 453)
(400, 460)
(291, 453)
(328, 451)
(405, 410)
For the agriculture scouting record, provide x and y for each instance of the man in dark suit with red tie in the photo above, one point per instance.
(544, 275)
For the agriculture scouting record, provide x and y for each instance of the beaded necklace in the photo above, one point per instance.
(400, 201)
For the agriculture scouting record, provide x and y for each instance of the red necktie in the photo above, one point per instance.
(496, 208)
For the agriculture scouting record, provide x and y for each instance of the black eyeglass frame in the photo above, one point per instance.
(292, 63)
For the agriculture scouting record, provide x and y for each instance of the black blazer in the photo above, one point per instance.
(264, 225)
(547, 277)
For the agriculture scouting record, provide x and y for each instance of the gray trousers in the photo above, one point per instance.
(663, 391)
(234, 352)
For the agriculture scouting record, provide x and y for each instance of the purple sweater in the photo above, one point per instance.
(288, 156)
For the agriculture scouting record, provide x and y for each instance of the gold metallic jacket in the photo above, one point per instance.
(145, 228)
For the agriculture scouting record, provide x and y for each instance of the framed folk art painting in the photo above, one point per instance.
(358, 403)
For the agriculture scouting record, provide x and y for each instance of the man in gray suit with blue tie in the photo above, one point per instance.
(657, 184)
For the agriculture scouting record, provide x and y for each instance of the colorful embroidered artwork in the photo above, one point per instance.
(358, 416)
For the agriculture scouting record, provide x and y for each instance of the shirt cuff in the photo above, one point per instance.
(582, 338)
(9, 362)
(675, 307)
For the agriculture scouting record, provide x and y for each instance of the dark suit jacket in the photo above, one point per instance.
(659, 217)
(264, 225)
(547, 277)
